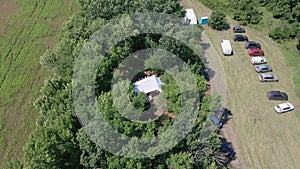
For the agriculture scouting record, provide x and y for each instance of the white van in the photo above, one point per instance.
(190, 17)
(226, 47)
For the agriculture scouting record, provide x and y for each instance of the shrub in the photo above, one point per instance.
(218, 21)
(282, 33)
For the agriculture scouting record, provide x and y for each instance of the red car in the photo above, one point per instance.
(256, 52)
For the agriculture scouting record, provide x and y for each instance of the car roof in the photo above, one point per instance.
(284, 105)
(238, 35)
(215, 119)
(251, 42)
(266, 75)
(238, 27)
(257, 58)
(263, 66)
(274, 92)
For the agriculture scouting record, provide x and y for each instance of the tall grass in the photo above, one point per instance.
(292, 58)
(21, 77)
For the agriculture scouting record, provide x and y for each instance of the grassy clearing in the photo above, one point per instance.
(265, 138)
(23, 41)
(288, 48)
(292, 57)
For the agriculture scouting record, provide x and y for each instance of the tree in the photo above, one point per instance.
(109, 9)
(180, 161)
(50, 148)
(218, 20)
(282, 32)
(296, 13)
(13, 165)
(53, 143)
(58, 141)
(92, 155)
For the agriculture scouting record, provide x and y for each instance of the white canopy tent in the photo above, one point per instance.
(148, 85)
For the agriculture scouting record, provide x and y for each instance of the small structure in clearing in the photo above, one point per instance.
(148, 85)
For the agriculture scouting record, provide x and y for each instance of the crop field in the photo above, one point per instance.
(27, 29)
(262, 138)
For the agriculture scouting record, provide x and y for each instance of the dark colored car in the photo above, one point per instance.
(240, 38)
(225, 148)
(218, 118)
(217, 121)
(238, 29)
(277, 95)
(256, 52)
(252, 45)
(263, 68)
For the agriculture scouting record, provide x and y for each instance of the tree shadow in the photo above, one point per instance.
(205, 47)
(226, 145)
(208, 73)
(226, 153)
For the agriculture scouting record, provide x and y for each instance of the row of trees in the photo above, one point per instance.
(60, 139)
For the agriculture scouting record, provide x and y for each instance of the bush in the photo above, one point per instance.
(282, 33)
(249, 16)
(218, 21)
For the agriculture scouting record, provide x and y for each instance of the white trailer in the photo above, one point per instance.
(226, 47)
(190, 17)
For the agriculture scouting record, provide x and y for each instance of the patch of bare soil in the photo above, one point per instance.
(7, 9)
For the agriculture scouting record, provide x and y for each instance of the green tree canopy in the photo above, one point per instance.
(218, 20)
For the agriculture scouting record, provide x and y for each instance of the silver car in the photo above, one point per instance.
(265, 77)
(263, 68)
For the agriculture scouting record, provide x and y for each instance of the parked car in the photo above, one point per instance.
(252, 44)
(218, 117)
(263, 68)
(283, 107)
(225, 148)
(217, 121)
(240, 38)
(258, 60)
(256, 52)
(265, 77)
(277, 95)
(238, 29)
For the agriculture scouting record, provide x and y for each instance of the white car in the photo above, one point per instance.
(284, 107)
(258, 60)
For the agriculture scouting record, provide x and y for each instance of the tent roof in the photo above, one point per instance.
(148, 84)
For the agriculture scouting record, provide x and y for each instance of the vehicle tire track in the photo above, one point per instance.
(14, 56)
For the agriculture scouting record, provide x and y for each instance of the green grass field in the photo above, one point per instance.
(30, 27)
(288, 47)
(265, 139)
